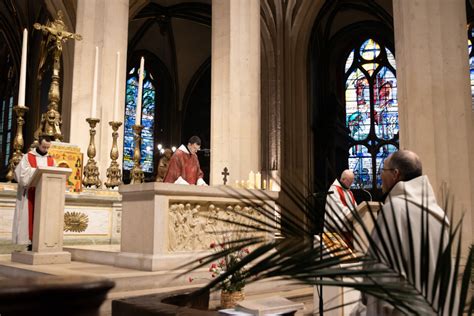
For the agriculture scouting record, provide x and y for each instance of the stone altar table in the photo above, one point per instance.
(165, 225)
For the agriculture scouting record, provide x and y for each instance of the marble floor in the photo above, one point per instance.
(131, 282)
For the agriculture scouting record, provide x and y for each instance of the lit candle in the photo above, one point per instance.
(94, 87)
(251, 180)
(258, 181)
(117, 74)
(237, 184)
(138, 117)
(21, 91)
(264, 184)
(242, 184)
(270, 185)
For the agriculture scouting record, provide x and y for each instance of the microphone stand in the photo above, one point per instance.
(366, 191)
(320, 197)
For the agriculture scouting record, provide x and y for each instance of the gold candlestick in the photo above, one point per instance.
(137, 174)
(17, 142)
(91, 171)
(114, 173)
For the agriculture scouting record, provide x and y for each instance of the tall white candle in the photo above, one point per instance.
(258, 180)
(138, 118)
(94, 87)
(117, 87)
(21, 90)
(251, 180)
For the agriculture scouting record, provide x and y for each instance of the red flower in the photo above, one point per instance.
(213, 245)
(212, 267)
(190, 279)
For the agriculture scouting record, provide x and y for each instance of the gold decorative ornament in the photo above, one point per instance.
(57, 35)
(114, 172)
(75, 222)
(137, 175)
(18, 142)
(91, 171)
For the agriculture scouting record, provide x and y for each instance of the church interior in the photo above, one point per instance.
(282, 94)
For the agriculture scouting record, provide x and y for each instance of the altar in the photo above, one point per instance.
(165, 225)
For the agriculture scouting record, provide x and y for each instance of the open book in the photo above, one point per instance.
(269, 305)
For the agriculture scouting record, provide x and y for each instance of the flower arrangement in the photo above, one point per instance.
(234, 282)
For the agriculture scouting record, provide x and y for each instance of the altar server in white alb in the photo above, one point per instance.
(25, 200)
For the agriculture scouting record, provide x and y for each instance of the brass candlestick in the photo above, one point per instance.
(17, 142)
(114, 173)
(91, 171)
(137, 174)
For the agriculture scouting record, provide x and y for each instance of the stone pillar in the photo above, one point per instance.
(235, 89)
(434, 97)
(104, 24)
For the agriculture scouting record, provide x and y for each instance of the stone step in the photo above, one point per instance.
(135, 283)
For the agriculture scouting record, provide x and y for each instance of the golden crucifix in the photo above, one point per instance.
(57, 35)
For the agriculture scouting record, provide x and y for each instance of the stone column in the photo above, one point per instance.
(434, 97)
(235, 89)
(104, 24)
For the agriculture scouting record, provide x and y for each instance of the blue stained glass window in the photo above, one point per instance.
(9, 131)
(349, 60)
(148, 117)
(147, 120)
(383, 153)
(358, 105)
(369, 50)
(371, 110)
(360, 161)
(385, 104)
(471, 62)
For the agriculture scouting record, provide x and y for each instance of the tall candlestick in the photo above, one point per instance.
(21, 91)
(94, 87)
(116, 98)
(138, 117)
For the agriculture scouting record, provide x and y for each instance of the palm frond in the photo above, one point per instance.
(400, 278)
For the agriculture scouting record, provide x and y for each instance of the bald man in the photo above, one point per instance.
(339, 204)
(410, 208)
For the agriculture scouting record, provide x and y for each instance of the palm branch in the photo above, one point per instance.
(383, 272)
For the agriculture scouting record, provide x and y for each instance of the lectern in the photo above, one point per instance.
(364, 209)
(48, 225)
(339, 298)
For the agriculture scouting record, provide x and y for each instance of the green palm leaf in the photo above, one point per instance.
(401, 278)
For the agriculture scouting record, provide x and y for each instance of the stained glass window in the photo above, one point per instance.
(9, 131)
(147, 120)
(471, 62)
(371, 110)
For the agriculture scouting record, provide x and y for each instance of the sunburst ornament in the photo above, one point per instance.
(75, 222)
